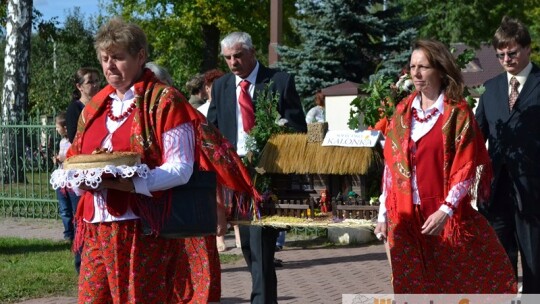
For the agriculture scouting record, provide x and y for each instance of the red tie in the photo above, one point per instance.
(246, 106)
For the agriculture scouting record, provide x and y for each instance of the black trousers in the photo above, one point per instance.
(259, 247)
(517, 232)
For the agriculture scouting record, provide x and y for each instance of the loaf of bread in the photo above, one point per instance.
(102, 159)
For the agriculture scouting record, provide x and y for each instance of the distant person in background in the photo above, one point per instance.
(196, 90)
(86, 82)
(316, 114)
(209, 78)
(160, 72)
(67, 199)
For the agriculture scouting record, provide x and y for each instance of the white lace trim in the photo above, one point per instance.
(72, 178)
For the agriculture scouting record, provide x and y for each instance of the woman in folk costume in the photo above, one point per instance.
(435, 160)
(138, 113)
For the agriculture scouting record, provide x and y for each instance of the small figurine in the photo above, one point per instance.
(324, 202)
(351, 198)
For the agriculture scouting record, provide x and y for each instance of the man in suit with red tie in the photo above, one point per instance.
(508, 114)
(232, 112)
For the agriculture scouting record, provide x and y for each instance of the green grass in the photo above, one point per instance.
(35, 269)
(36, 185)
(227, 258)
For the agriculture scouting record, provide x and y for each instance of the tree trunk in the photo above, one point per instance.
(16, 60)
(15, 85)
(211, 47)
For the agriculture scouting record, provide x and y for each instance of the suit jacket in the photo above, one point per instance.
(514, 137)
(222, 110)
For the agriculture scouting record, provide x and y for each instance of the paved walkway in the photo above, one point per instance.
(314, 275)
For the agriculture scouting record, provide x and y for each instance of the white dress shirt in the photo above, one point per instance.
(242, 136)
(521, 77)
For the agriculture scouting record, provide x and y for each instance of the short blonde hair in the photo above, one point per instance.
(118, 34)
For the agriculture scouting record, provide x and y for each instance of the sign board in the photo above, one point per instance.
(350, 138)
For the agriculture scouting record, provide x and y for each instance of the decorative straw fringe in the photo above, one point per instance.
(291, 153)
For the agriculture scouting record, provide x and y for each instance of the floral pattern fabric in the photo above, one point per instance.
(103, 279)
(201, 271)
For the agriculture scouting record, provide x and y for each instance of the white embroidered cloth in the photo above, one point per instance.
(71, 178)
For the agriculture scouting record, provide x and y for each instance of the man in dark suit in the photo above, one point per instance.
(509, 116)
(228, 112)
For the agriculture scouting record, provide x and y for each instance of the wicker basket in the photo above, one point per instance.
(316, 131)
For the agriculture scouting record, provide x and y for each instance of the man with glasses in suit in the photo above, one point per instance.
(508, 114)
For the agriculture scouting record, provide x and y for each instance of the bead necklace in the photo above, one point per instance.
(121, 116)
(425, 119)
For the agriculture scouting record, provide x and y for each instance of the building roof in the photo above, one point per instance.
(343, 89)
(292, 154)
(483, 67)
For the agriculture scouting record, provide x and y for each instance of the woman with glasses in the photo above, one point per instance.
(86, 82)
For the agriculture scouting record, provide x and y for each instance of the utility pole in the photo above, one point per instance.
(276, 30)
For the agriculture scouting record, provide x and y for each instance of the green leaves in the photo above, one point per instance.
(267, 123)
(462, 60)
(379, 100)
(266, 117)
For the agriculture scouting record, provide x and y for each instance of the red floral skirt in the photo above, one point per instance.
(121, 265)
(201, 271)
(476, 263)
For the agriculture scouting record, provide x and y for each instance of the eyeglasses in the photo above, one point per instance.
(92, 82)
(510, 55)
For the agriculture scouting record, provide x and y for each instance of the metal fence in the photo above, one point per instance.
(26, 163)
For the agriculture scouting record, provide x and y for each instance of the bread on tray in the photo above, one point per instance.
(102, 159)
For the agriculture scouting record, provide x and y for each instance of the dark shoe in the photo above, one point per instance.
(278, 263)
(279, 248)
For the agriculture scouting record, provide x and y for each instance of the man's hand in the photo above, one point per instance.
(434, 224)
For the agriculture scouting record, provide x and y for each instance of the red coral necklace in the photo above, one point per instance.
(425, 119)
(125, 114)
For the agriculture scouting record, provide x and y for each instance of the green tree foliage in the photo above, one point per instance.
(340, 40)
(472, 22)
(397, 39)
(184, 35)
(57, 53)
(469, 21)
